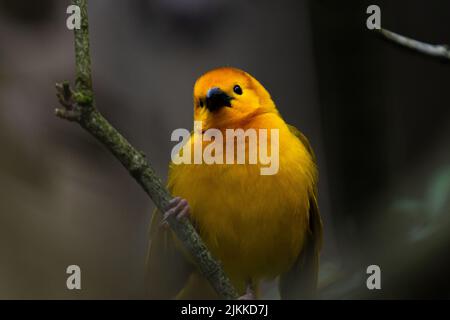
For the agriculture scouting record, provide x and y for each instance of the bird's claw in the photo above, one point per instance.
(178, 208)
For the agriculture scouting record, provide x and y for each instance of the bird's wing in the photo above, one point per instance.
(303, 139)
(301, 281)
(167, 268)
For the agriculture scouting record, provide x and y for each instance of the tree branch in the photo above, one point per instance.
(436, 51)
(79, 106)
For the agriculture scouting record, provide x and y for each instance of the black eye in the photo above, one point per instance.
(201, 103)
(237, 89)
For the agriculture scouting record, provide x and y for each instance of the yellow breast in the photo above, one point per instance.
(254, 224)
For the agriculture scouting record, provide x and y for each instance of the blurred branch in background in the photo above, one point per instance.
(79, 106)
(437, 51)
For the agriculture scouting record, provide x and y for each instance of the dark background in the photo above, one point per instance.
(377, 116)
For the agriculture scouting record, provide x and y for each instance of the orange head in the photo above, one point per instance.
(227, 97)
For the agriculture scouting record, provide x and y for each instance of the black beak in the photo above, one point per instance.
(216, 99)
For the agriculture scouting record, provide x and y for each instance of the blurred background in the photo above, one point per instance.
(377, 116)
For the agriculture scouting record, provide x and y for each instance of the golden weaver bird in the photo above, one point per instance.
(258, 226)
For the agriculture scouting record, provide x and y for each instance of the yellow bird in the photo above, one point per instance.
(258, 226)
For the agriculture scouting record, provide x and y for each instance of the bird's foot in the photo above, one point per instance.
(178, 208)
(249, 294)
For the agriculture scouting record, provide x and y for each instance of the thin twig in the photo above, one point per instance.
(436, 51)
(79, 106)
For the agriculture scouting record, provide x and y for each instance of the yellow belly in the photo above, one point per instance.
(254, 224)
